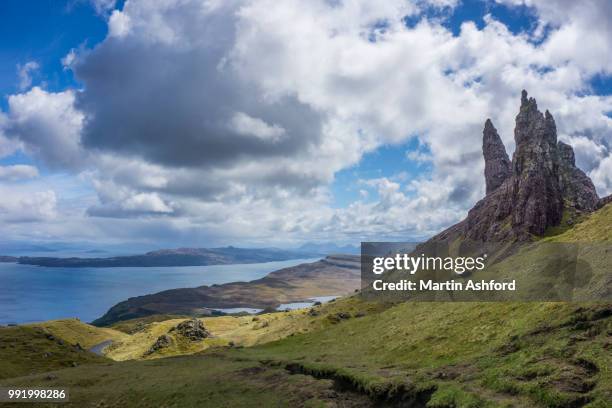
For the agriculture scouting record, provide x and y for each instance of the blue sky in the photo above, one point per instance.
(198, 125)
(53, 29)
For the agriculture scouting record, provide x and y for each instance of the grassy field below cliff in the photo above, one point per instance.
(347, 353)
(435, 355)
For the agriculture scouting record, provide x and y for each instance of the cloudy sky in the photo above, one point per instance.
(263, 122)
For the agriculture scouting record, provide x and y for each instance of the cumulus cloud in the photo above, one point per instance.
(18, 172)
(233, 117)
(22, 205)
(602, 176)
(102, 7)
(248, 125)
(25, 74)
(48, 126)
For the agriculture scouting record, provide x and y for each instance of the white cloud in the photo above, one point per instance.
(118, 24)
(25, 74)
(248, 125)
(18, 172)
(69, 59)
(233, 118)
(48, 125)
(21, 205)
(602, 176)
(102, 7)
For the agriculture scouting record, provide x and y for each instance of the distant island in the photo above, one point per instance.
(172, 257)
(333, 275)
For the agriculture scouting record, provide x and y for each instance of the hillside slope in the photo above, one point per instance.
(331, 276)
(354, 353)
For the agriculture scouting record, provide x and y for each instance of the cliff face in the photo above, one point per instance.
(532, 192)
(578, 189)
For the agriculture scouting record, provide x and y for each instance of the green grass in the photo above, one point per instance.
(134, 325)
(477, 348)
(433, 354)
(196, 381)
(75, 331)
(595, 227)
(442, 354)
(26, 350)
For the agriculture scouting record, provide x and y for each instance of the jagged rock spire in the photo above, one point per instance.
(497, 162)
(531, 193)
(538, 197)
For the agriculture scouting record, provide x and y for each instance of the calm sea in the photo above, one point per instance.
(33, 293)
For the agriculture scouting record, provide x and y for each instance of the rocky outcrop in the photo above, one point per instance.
(532, 192)
(162, 342)
(497, 164)
(604, 201)
(578, 190)
(192, 329)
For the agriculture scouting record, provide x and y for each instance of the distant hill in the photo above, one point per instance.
(333, 275)
(175, 257)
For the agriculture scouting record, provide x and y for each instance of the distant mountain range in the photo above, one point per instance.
(174, 257)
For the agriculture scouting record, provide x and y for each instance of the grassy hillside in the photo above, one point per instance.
(594, 227)
(74, 331)
(355, 353)
(192, 382)
(27, 350)
(237, 331)
(445, 354)
(487, 354)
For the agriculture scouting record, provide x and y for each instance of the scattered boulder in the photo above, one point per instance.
(261, 325)
(313, 312)
(162, 342)
(337, 317)
(193, 329)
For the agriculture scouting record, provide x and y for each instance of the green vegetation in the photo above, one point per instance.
(595, 227)
(74, 331)
(345, 353)
(27, 350)
(132, 326)
(197, 381)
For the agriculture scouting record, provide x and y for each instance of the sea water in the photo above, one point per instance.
(33, 293)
